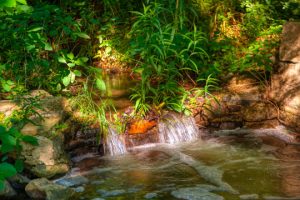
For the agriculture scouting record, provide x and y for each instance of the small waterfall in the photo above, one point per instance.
(114, 143)
(175, 129)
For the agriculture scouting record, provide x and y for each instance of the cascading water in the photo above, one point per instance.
(175, 129)
(114, 144)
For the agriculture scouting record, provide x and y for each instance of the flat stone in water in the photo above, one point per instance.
(111, 193)
(98, 199)
(79, 189)
(150, 195)
(195, 193)
(134, 190)
(97, 182)
(72, 181)
(249, 196)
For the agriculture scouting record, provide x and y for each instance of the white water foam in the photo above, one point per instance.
(114, 144)
(174, 129)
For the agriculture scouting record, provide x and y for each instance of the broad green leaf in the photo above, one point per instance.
(83, 35)
(58, 87)
(7, 170)
(6, 147)
(61, 59)
(8, 3)
(70, 55)
(19, 165)
(48, 47)
(66, 80)
(8, 139)
(22, 2)
(77, 73)
(71, 64)
(72, 77)
(30, 139)
(100, 84)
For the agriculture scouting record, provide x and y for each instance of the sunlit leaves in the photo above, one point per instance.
(100, 84)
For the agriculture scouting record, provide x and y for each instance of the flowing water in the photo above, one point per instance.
(224, 167)
(180, 165)
(174, 129)
(114, 144)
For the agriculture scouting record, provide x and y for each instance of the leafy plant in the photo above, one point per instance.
(10, 143)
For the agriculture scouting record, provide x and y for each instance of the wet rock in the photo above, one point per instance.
(45, 189)
(79, 189)
(249, 196)
(45, 160)
(72, 181)
(97, 182)
(111, 193)
(8, 191)
(195, 193)
(98, 199)
(134, 189)
(18, 181)
(150, 195)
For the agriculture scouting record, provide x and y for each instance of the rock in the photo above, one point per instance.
(249, 196)
(111, 193)
(53, 112)
(195, 193)
(72, 181)
(45, 189)
(79, 189)
(98, 199)
(8, 191)
(18, 181)
(259, 111)
(150, 195)
(290, 42)
(7, 107)
(45, 160)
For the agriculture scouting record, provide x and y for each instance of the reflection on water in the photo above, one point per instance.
(260, 168)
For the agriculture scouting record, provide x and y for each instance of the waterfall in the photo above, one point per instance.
(174, 128)
(114, 144)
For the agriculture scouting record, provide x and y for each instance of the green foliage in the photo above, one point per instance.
(167, 49)
(35, 40)
(10, 142)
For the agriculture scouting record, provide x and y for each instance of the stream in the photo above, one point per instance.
(187, 163)
(251, 167)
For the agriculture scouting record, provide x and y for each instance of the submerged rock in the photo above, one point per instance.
(111, 193)
(195, 193)
(249, 196)
(79, 189)
(150, 195)
(72, 181)
(45, 189)
(45, 160)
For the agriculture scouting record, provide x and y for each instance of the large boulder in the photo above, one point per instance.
(285, 87)
(45, 189)
(51, 111)
(290, 42)
(47, 159)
